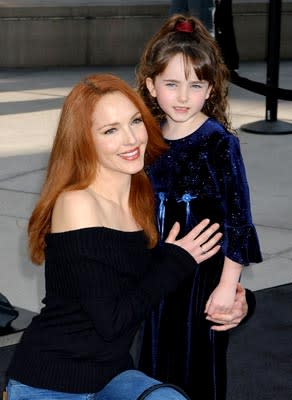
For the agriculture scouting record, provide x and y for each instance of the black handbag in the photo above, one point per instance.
(144, 395)
(7, 313)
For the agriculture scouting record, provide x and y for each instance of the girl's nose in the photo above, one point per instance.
(183, 94)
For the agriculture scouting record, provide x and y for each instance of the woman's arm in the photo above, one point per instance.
(117, 303)
(204, 239)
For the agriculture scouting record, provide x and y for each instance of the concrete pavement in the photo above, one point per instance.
(30, 102)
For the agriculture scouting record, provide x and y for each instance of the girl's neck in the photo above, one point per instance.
(173, 130)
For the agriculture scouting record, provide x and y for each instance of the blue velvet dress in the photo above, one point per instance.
(200, 176)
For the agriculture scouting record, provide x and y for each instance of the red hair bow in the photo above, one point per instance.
(184, 26)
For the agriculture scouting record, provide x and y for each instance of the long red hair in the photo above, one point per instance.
(73, 160)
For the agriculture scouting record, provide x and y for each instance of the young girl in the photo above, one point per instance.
(183, 80)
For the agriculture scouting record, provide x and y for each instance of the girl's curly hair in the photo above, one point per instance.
(199, 50)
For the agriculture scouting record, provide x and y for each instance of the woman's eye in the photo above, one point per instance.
(137, 121)
(170, 84)
(110, 131)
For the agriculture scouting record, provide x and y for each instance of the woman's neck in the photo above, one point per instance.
(109, 192)
(113, 207)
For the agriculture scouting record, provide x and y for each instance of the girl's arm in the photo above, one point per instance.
(240, 241)
(230, 273)
(222, 298)
(242, 309)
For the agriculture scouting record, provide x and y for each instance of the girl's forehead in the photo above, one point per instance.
(179, 65)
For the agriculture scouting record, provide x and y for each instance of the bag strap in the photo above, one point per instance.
(143, 396)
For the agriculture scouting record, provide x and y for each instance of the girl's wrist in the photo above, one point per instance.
(228, 283)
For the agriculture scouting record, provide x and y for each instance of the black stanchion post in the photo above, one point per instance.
(271, 125)
(273, 57)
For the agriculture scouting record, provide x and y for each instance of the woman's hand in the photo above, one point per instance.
(197, 242)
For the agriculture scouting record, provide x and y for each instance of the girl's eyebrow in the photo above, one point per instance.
(171, 80)
(176, 81)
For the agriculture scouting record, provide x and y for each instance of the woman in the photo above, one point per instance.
(94, 228)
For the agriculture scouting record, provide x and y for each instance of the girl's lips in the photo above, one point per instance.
(131, 155)
(181, 109)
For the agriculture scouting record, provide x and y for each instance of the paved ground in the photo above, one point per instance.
(30, 101)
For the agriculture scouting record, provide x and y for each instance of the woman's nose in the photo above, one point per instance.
(130, 137)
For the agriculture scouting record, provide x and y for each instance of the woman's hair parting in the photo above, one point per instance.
(73, 160)
(189, 37)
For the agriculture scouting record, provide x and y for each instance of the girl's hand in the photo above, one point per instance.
(226, 321)
(221, 300)
(197, 242)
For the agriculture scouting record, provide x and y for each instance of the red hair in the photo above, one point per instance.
(73, 160)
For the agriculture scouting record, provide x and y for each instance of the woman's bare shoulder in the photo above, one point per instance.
(74, 209)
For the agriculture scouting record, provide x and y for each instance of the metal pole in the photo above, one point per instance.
(273, 56)
(270, 125)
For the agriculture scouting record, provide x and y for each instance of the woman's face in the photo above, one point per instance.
(119, 135)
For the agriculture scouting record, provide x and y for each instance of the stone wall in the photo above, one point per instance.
(61, 33)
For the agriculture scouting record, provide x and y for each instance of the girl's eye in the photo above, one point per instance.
(137, 120)
(196, 86)
(170, 84)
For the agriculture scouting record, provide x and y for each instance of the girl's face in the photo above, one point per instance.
(179, 97)
(119, 135)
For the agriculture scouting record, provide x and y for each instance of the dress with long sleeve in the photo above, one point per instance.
(200, 176)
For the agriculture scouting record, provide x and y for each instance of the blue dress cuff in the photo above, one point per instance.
(241, 244)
